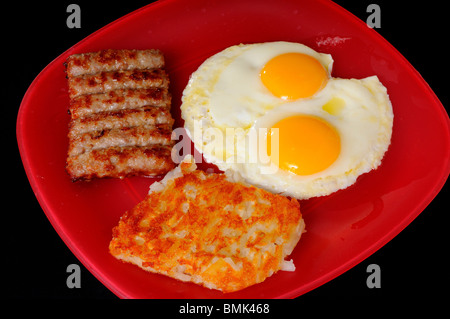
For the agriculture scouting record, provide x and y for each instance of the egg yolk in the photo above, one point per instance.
(291, 76)
(306, 145)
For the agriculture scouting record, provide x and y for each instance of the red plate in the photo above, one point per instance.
(342, 229)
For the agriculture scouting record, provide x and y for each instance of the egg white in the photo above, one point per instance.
(226, 92)
(225, 104)
(363, 120)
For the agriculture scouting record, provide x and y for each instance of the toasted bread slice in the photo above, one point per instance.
(210, 230)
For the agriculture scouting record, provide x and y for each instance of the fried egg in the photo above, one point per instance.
(273, 113)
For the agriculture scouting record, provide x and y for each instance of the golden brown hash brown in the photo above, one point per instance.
(205, 229)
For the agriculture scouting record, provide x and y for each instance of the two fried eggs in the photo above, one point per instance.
(314, 134)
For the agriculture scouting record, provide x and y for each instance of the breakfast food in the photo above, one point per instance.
(139, 136)
(119, 100)
(146, 115)
(209, 229)
(114, 80)
(121, 161)
(113, 60)
(121, 123)
(318, 133)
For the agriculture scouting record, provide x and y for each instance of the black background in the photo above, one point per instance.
(413, 265)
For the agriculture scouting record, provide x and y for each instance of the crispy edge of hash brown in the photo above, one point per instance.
(210, 230)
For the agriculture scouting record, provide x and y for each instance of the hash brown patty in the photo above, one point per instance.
(210, 230)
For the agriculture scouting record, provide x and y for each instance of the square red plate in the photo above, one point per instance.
(342, 229)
